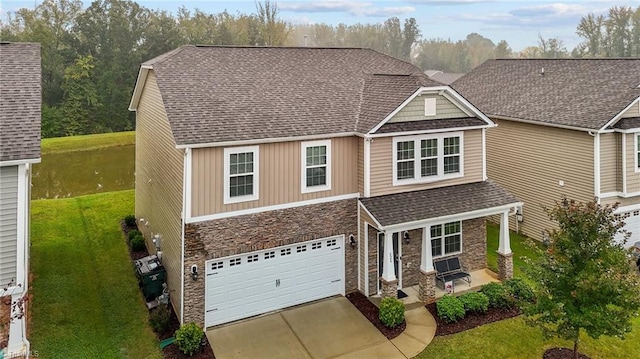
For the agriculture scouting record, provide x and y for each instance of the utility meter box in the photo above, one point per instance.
(151, 275)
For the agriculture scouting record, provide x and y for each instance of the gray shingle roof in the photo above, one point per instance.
(584, 93)
(20, 101)
(216, 93)
(433, 203)
(430, 124)
(627, 123)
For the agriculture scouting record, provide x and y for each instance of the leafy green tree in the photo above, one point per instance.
(591, 29)
(583, 282)
(410, 35)
(81, 98)
(273, 30)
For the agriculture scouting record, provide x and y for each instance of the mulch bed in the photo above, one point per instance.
(561, 353)
(470, 321)
(171, 351)
(370, 311)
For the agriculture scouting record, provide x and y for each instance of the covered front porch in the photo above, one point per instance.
(404, 234)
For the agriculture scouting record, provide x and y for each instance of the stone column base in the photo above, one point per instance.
(505, 266)
(427, 287)
(389, 288)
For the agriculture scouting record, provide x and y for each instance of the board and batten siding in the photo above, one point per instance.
(159, 177)
(414, 110)
(610, 163)
(382, 166)
(8, 223)
(530, 161)
(280, 176)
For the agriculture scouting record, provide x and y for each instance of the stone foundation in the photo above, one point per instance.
(389, 289)
(253, 232)
(505, 266)
(427, 287)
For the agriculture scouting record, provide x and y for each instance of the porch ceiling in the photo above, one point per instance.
(422, 205)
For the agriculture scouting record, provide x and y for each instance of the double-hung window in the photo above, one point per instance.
(316, 166)
(241, 172)
(427, 158)
(446, 239)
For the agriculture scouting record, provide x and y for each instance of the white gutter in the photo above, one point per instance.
(440, 130)
(20, 162)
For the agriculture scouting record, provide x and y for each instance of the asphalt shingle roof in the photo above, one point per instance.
(584, 93)
(20, 101)
(433, 203)
(217, 93)
(430, 124)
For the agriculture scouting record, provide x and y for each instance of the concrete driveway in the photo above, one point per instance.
(331, 328)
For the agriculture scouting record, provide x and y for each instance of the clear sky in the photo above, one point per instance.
(519, 22)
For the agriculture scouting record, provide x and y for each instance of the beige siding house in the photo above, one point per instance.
(566, 127)
(271, 177)
(20, 102)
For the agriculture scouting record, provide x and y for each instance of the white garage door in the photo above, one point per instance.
(258, 282)
(632, 224)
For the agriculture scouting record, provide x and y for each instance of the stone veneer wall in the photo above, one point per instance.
(411, 257)
(474, 244)
(373, 261)
(247, 233)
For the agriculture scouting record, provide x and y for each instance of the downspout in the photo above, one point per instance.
(185, 167)
(596, 164)
(367, 167)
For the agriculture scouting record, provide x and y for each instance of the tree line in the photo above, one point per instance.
(91, 56)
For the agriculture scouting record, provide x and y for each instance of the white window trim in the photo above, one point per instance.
(256, 174)
(303, 166)
(442, 254)
(430, 106)
(635, 152)
(417, 177)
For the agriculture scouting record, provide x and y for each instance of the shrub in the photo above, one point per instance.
(450, 309)
(160, 319)
(519, 289)
(188, 338)
(130, 220)
(137, 244)
(475, 302)
(391, 312)
(498, 294)
(133, 233)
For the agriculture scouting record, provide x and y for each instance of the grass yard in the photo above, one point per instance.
(86, 302)
(512, 338)
(87, 142)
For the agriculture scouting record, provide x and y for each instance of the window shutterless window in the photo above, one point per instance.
(446, 239)
(316, 166)
(427, 158)
(241, 173)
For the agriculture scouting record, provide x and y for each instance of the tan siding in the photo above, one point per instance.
(633, 177)
(633, 111)
(414, 110)
(382, 166)
(622, 202)
(360, 165)
(609, 165)
(280, 176)
(159, 174)
(529, 161)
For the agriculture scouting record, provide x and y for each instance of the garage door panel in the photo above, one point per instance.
(254, 283)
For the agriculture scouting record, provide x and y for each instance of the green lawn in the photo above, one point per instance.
(87, 142)
(86, 302)
(512, 338)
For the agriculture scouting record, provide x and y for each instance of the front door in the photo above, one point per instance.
(397, 255)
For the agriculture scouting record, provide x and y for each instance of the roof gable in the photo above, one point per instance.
(578, 93)
(20, 101)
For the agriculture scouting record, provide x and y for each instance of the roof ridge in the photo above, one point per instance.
(281, 47)
(363, 84)
(167, 55)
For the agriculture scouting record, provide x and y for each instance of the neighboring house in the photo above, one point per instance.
(272, 177)
(566, 127)
(20, 102)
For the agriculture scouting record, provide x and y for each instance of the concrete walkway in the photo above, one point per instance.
(328, 329)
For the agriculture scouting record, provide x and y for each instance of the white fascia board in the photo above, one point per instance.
(453, 217)
(375, 220)
(20, 162)
(424, 132)
(617, 117)
(267, 140)
(531, 122)
(137, 90)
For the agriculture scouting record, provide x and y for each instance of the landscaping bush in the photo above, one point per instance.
(130, 220)
(189, 338)
(137, 244)
(133, 233)
(475, 302)
(391, 312)
(450, 309)
(498, 294)
(160, 319)
(519, 289)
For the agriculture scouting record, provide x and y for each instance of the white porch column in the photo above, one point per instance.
(504, 246)
(426, 262)
(388, 269)
(18, 344)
